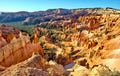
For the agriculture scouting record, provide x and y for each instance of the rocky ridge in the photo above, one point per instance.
(29, 18)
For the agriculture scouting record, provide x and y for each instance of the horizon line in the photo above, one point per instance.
(59, 8)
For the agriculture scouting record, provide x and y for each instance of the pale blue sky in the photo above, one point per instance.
(37, 5)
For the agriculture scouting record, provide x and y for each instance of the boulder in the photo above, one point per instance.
(56, 68)
(78, 70)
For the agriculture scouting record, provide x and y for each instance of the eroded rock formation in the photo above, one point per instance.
(86, 45)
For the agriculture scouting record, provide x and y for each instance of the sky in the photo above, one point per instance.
(39, 5)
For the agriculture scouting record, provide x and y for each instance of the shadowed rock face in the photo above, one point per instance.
(2, 42)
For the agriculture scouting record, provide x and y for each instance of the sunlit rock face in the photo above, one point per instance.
(35, 65)
(112, 63)
(109, 44)
(31, 66)
(18, 50)
(111, 54)
(15, 47)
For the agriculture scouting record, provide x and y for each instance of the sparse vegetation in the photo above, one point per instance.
(25, 28)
